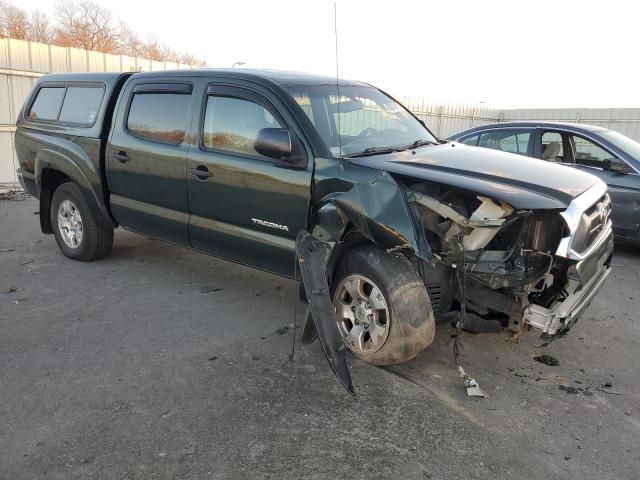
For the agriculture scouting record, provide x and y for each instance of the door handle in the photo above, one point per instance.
(201, 172)
(122, 157)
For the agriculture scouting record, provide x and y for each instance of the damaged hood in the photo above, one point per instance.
(522, 182)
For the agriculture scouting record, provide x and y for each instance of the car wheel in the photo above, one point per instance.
(382, 307)
(77, 232)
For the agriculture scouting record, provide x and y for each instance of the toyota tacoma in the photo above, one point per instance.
(334, 183)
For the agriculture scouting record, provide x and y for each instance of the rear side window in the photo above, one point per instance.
(81, 105)
(473, 140)
(160, 117)
(47, 104)
(506, 140)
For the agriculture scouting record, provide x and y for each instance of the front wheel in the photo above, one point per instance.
(77, 232)
(382, 307)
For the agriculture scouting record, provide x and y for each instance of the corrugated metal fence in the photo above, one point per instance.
(22, 63)
(445, 119)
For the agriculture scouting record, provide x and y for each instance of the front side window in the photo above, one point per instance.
(589, 154)
(232, 124)
(47, 104)
(160, 117)
(356, 119)
(81, 105)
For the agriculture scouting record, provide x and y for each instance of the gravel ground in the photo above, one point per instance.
(159, 362)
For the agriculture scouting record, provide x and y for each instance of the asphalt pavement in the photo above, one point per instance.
(159, 362)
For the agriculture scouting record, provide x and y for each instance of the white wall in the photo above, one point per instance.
(623, 120)
(22, 63)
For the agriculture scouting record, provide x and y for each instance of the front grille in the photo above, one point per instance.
(592, 223)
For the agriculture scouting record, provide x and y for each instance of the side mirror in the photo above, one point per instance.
(274, 143)
(615, 165)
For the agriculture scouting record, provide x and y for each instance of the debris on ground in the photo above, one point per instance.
(547, 360)
(211, 359)
(209, 289)
(569, 389)
(473, 389)
(27, 262)
(6, 250)
(282, 330)
(14, 195)
(607, 384)
(606, 390)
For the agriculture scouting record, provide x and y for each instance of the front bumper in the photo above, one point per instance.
(585, 280)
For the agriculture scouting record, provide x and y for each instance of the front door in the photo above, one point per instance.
(244, 206)
(624, 187)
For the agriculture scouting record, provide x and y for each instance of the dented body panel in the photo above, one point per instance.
(519, 181)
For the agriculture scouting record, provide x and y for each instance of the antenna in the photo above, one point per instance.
(335, 33)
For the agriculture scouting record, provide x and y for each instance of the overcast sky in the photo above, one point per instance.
(506, 53)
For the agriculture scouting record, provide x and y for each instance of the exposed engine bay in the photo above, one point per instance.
(512, 270)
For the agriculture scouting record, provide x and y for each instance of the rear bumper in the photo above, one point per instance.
(586, 279)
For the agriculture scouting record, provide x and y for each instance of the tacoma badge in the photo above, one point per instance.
(264, 223)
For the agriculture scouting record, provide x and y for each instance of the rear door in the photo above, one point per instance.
(244, 206)
(146, 158)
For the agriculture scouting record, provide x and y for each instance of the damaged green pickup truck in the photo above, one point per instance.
(393, 228)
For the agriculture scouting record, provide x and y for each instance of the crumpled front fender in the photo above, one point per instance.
(379, 208)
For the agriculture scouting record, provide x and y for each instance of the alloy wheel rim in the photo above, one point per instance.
(70, 224)
(361, 313)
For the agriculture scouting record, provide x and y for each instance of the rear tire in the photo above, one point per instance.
(388, 304)
(75, 227)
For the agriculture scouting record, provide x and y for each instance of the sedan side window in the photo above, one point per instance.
(590, 154)
(552, 147)
(507, 140)
(472, 140)
(232, 124)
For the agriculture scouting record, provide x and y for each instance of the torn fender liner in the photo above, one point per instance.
(312, 258)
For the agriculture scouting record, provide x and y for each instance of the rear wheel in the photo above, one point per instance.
(382, 307)
(77, 232)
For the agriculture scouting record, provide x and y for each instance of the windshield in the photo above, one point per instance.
(367, 120)
(631, 147)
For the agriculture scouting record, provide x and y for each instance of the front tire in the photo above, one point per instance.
(75, 227)
(383, 311)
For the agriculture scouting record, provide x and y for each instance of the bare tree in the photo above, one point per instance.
(154, 50)
(130, 44)
(40, 28)
(14, 22)
(85, 24)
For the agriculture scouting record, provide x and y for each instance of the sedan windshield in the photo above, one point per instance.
(631, 147)
(368, 121)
